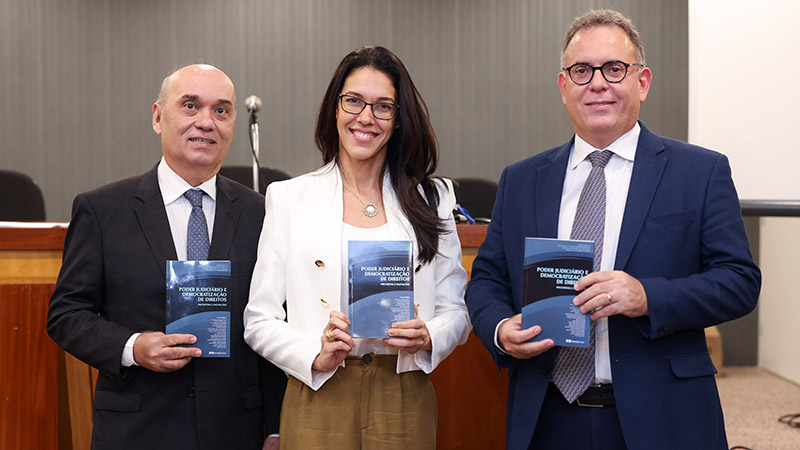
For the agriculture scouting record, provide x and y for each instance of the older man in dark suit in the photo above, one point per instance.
(671, 258)
(154, 390)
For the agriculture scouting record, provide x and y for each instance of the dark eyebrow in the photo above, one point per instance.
(190, 97)
(601, 65)
(379, 100)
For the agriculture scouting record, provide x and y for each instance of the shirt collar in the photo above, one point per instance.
(624, 146)
(173, 186)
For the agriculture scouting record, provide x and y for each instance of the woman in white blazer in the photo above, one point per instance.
(380, 152)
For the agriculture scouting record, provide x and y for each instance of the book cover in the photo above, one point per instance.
(551, 269)
(197, 303)
(381, 286)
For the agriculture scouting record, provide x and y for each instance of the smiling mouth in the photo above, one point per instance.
(202, 141)
(363, 135)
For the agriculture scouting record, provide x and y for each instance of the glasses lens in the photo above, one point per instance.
(352, 105)
(384, 110)
(581, 73)
(614, 71)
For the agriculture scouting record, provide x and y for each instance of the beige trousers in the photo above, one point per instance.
(365, 405)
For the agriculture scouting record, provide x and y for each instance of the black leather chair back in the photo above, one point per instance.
(244, 175)
(20, 198)
(476, 195)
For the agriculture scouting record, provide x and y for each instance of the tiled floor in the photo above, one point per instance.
(753, 400)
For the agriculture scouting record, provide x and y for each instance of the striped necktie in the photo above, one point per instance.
(574, 367)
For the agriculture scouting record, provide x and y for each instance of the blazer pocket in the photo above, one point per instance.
(118, 401)
(671, 220)
(691, 366)
(252, 399)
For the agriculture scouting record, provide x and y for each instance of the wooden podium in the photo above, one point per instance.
(46, 394)
(471, 393)
(29, 262)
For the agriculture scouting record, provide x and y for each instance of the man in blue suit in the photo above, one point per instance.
(675, 259)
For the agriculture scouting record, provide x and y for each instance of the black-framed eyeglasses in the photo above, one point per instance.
(380, 110)
(613, 71)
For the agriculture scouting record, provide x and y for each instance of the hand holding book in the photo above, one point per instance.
(159, 352)
(517, 341)
(336, 343)
(410, 336)
(608, 293)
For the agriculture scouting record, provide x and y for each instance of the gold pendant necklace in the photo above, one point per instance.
(369, 209)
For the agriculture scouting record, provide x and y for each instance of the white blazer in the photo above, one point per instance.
(299, 261)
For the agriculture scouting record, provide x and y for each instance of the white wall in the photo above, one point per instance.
(744, 96)
(744, 91)
(779, 313)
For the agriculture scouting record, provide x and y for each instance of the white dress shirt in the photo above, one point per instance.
(618, 178)
(178, 207)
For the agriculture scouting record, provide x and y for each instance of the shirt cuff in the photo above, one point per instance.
(422, 359)
(496, 342)
(127, 352)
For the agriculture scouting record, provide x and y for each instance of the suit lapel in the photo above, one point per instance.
(226, 218)
(324, 205)
(648, 167)
(550, 182)
(153, 219)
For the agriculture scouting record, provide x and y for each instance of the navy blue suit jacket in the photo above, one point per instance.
(683, 238)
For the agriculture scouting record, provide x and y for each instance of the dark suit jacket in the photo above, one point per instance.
(112, 284)
(683, 237)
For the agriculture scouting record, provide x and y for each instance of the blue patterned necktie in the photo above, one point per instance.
(574, 367)
(197, 230)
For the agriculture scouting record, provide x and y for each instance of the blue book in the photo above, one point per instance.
(197, 303)
(381, 286)
(551, 269)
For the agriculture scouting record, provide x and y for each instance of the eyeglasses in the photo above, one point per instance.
(613, 71)
(380, 110)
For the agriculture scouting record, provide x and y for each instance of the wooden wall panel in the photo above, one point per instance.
(79, 384)
(28, 378)
(470, 391)
(471, 395)
(30, 255)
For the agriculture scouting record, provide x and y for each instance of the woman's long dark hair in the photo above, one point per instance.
(412, 152)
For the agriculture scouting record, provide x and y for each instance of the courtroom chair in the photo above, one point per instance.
(244, 175)
(476, 195)
(20, 198)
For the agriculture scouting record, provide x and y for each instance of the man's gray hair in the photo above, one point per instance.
(605, 18)
(162, 93)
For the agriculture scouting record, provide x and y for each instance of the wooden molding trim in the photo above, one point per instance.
(32, 238)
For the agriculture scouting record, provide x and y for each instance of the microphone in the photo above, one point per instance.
(253, 104)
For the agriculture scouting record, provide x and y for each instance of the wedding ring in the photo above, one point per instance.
(608, 294)
(329, 334)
